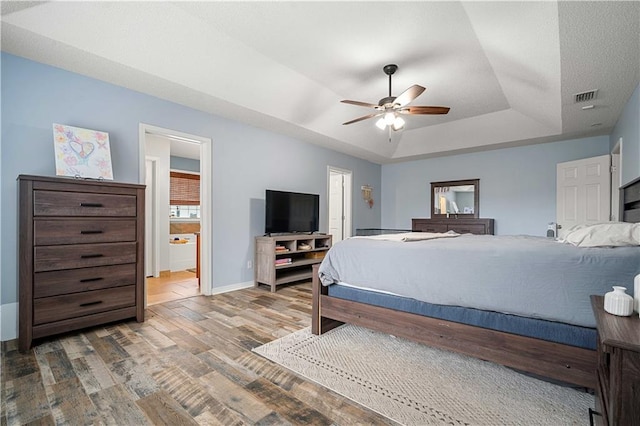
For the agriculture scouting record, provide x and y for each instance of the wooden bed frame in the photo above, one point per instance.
(556, 361)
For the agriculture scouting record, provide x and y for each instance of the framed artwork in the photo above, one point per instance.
(82, 153)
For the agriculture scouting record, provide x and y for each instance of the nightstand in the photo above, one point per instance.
(618, 371)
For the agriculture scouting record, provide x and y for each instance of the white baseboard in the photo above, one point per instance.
(8, 321)
(232, 287)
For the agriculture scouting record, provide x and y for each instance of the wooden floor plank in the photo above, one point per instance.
(187, 325)
(26, 400)
(234, 396)
(187, 362)
(188, 342)
(15, 364)
(162, 409)
(70, 403)
(135, 379)
(45, 369)
(228, 368)
(93, 373)
(60, 365)
(76, 346)
(107, 347)
(291, 408)
(116, 406)
(191, 396)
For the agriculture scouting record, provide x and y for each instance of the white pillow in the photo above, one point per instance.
(610, 234)
(562, 233)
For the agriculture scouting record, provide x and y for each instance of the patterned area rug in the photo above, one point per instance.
(415, 384)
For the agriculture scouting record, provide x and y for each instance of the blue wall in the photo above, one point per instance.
(185, 164)
(517, 185)
(628, 128)
(246, 160)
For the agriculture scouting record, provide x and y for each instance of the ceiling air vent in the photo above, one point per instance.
(585, 96)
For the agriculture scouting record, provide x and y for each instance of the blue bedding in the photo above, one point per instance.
(531, 277)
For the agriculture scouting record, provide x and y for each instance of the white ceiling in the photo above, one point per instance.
(507, 70)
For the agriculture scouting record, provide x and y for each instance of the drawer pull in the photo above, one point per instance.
(91, 205)
(91, 256)
(87, 280)
(90, 232)
(97, 302)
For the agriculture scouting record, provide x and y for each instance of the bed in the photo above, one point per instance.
(537, 317)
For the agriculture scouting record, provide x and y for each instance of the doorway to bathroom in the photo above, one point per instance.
(176, 172)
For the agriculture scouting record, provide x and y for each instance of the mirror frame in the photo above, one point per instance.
(476, 198)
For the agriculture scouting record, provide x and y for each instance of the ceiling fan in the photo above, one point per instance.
(391, 107)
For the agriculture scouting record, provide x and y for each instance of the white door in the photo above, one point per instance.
(339, 204)
(583, 192)
(336, 206)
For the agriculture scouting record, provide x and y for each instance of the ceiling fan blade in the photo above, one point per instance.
(362, 118)
(410, 94)
(424, 110)
(358, 103)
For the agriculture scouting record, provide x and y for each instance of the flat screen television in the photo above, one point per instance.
(291, 212)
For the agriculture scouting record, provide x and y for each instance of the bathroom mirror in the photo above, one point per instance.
(455, 198)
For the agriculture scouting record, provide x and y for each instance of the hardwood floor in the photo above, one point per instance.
(177, 286)
(189, 363)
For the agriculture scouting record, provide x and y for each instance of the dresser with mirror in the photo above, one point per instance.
(455, 206)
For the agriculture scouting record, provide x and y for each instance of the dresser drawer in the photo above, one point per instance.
(56, 308)
(52, 258)
(82, 231)
(467, 229)
(57, 203)
(430, 227)
(54, 283)
(476, 226)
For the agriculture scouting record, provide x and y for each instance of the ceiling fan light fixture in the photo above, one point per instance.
(389, 118)
(390, 106)
(398, 123)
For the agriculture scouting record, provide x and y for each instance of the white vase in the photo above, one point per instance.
(636, 293)
(617, 302)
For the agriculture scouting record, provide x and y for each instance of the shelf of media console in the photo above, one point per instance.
(299, 262)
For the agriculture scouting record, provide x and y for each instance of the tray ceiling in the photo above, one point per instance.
(508, 70)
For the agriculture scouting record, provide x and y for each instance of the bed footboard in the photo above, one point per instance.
(319, 323)
(556, 361)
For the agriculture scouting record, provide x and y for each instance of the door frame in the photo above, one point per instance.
(616, 161)
(347, 199)
(206, 212)
(155, 234)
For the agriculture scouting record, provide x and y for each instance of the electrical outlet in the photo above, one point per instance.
(249, 264)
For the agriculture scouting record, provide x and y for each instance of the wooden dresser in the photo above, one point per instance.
(81, 254)
(618, 373)
(459, 225)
